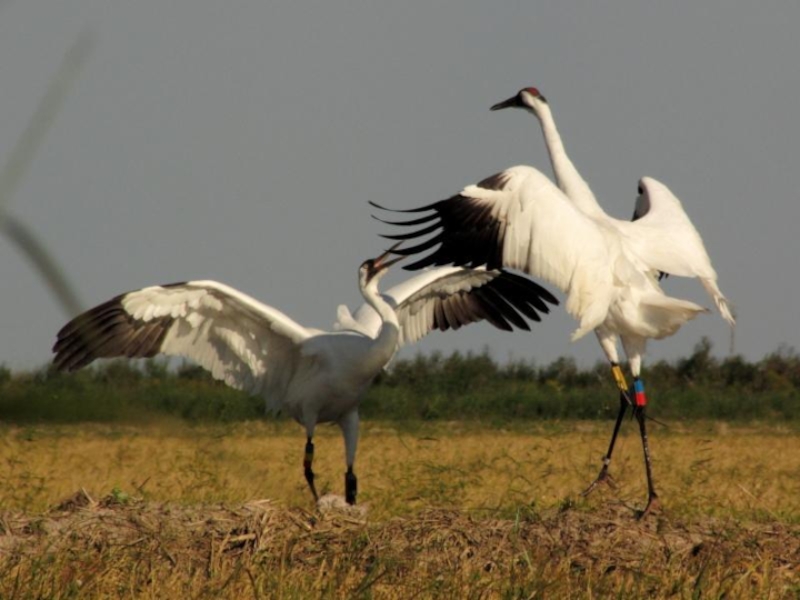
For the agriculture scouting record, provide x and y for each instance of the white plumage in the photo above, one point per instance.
(519, 219)
(661, 231)
(667, 242)
(413, 302)
(315, 376)
(607, 267)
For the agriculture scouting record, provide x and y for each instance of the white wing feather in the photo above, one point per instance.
(545, 235)
(232, 335)
(414, 302)
(667, 240)
(664, 236)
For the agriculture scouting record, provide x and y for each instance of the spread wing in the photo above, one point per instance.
(238, 339)
(451, 297)
(663, 235)
(520, 219)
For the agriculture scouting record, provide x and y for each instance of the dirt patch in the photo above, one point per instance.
(118, 545)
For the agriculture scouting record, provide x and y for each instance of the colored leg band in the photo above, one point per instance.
(638, 392)
(616, 371)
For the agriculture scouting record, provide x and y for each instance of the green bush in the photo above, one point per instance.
(459, 386)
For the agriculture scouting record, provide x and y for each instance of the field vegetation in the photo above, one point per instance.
(463, 387)
(148, 481)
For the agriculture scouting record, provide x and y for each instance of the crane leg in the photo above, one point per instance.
(624, 402)
(350, 486)
(639, 413)
(309, 473)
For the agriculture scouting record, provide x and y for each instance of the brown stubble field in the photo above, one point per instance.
(451, 510)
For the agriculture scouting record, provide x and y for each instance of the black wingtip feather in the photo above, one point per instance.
(107, 331)
(410, 223)
(432, 206)
(467, 233)
(413, 234)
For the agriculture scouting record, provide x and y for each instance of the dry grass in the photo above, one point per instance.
(453, 510)
(718, 470)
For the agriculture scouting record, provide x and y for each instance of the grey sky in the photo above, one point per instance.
(240, 141)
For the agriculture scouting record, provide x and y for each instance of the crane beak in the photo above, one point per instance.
(381, 263)
(513, 102)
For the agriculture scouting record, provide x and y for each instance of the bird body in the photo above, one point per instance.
(667, 242)
(608, 268)
(312, 375)
(661, 234)
(520, 219)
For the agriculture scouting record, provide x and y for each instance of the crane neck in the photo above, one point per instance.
(568, 178)
(385, 343)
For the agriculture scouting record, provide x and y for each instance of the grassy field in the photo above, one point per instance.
(452, 509)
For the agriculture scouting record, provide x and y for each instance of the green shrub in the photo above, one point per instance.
(459, 386)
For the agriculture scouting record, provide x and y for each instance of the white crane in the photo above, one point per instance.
(667, 238)
(314, 376)
(607, 267)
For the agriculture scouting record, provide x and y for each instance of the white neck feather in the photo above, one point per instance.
(385, 343)
(567, 177)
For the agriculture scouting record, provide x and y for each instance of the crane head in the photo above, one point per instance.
(375, 267)
(526, 98)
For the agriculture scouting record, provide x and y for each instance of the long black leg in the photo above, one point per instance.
(624, 402)
(309, 473)
(604, 477)
(350, 486)
(639, 413)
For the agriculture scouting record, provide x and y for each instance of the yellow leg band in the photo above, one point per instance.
(616, 371)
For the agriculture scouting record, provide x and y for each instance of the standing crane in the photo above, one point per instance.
(668, 238)
(608, 268)
(314, 376)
